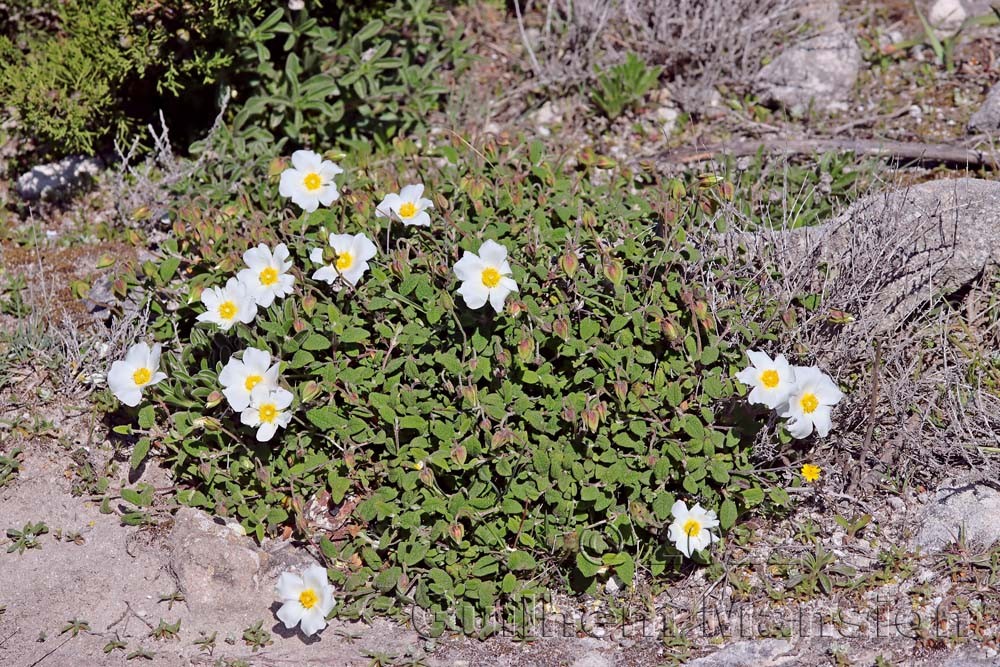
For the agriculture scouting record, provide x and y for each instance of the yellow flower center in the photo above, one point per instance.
(491, 277)
(227, 310)
(344, 261)
(769, 378)
(268, 277)
(308, 598)
(810, 472)
(312, 181)
(692, 527)
(141, 376)
(809, 403)
(252, 381)
(407, 210)
(268, 413)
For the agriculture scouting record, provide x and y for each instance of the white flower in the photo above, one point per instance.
(773, 381)
(811, 403)
(408, 206)
(309, 181)
(353, 253)
(127, 378)
(239, 378)
(690, 530)
(267, 411)
(228, 305)
(485, 277)
(268, 275)
(307, 599)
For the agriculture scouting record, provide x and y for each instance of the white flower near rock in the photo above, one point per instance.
(267, 276)
(691, 529)
(306, 599)
(485, 276)
(140, 369)
(267, 411)
(240, 377)
(225, 306)
(350, 261)
(811, 403)
(309, 181)
(409, 206)
(773, 380)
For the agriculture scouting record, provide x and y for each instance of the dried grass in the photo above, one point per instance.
(937, 404)
(697, 42)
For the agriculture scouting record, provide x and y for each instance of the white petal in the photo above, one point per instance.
(130, 397)
(342, 243)
(328, 194)
(256, 361)
(306, 160)
(280, 397)
(799, 427)
(328, 170)
(234, 373)
(315, 577)
(497, 297)
(312, 621)
(257, 258)
(508, 284)
(425, 204)
(120, 377)
(316, 255)
(289, 586)
(291, 613)
(355, 273)
(138, 356)
(266, 431)
(679, 511)
(760, 359)
(469, 268)
(422, 219)
(821, 419)
(157, 377)
(475, 295)
(239, 399)
(290, 184)
(250, 417)
(412, 193)
(492, 253)
(364, 249)
(154, 356)
(327, 274)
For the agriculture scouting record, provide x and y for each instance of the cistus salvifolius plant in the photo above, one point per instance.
(471, 455)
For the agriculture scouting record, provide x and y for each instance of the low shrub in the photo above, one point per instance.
(472, 456)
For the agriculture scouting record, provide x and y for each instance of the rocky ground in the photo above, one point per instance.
(902, 571)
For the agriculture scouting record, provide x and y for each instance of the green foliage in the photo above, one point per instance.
(357, 79)
(26, 538)
(624, 85)
(485, 456)
(99, 71)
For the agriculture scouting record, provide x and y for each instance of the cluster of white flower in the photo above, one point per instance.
(804, 395)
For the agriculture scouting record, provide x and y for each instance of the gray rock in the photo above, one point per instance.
(987, 119)
(890, 253)
(222, 574)
(974, 507)
(593, 659)
(819, 72)
(947, 17)
(57, 180)
(762, 653)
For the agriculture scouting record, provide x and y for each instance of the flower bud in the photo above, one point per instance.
(308, 304)
(614, 271)
(561, 328)
(459, 454)
(309, 391)
(299, 325)
(589, 219)
(426, 475)
(700, 310)
(457, 532)
(590, 419)
(621, 389)
(471, 394)
(670, 329)
(569, 414)
(526, 349)
(569, 263)
(214, 399)
(602, 410)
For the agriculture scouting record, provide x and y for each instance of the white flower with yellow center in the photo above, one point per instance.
(351, 255)
(773, 381)
(485, 277)
(267, 410)
(309, 181)
(306, 600)
(267, 277)
(811, 403)
(228, 305)
(240, 377)
(691, 529)
(408, 206)
(140, 369)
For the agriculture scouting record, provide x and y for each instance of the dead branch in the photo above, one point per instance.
(893, 150)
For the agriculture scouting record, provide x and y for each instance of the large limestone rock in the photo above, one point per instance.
(987, 119)
(763, 653)
(972, 508)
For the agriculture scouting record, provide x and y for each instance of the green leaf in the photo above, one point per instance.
(727, 514)
(316, 342)
(324, 418)
(139, 453)
(168, 268)
(520, 560)
(147, 417)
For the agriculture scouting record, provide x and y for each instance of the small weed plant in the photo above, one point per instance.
(623, 86)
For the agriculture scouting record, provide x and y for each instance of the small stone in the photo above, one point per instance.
(946, 17)
(593, 659)
(974, 507)
(819, 72)
(987, 119)
(57, 180)
(748, 654)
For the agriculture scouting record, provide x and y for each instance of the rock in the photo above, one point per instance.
(57, 180)
(987, 119)
(101, 297)
(593, 659)
(763, 653)
(222, 575)
(819, 72)
(976, 507)
(947, 17)
(894, 251)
